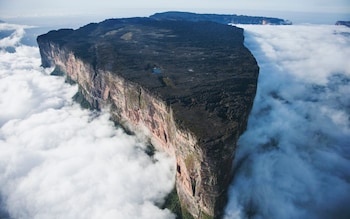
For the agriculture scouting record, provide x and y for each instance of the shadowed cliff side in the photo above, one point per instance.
(191, 85)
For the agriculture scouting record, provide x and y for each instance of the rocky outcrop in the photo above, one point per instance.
(189, 85)
(220, 18)
(344, 23)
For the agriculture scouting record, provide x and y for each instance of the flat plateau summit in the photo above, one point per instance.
(191, 85)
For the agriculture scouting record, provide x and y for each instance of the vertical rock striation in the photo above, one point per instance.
(190, 85)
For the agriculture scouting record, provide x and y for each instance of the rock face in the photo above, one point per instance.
(190, 85)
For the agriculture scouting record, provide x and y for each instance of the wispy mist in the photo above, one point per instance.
(293, 161)
(59, 161)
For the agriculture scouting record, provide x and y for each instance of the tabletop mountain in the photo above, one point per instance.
(190, 85)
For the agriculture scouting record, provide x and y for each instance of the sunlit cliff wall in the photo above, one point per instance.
(197, 180)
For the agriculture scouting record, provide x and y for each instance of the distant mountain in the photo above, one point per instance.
(219, 18)
(345, 23)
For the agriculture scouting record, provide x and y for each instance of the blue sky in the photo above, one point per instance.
(15, 8)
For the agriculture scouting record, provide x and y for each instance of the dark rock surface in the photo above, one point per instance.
(345, 23)
(200, 71)
(206, 72)
(220, 18)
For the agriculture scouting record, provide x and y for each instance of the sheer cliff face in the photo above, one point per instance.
(189, 85)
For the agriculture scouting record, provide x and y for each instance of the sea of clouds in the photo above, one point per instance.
(59, 161)
(293, 161)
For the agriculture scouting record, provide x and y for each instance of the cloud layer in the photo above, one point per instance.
(59, 161)
(293, 160)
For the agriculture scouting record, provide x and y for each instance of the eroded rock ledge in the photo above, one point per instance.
(190, 84)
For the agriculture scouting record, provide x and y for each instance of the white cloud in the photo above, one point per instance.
(16, 35)
(59, 161)
(292, 162)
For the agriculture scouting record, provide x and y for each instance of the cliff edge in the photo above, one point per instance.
(220, 18)
(191, 85)
(344, 23)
